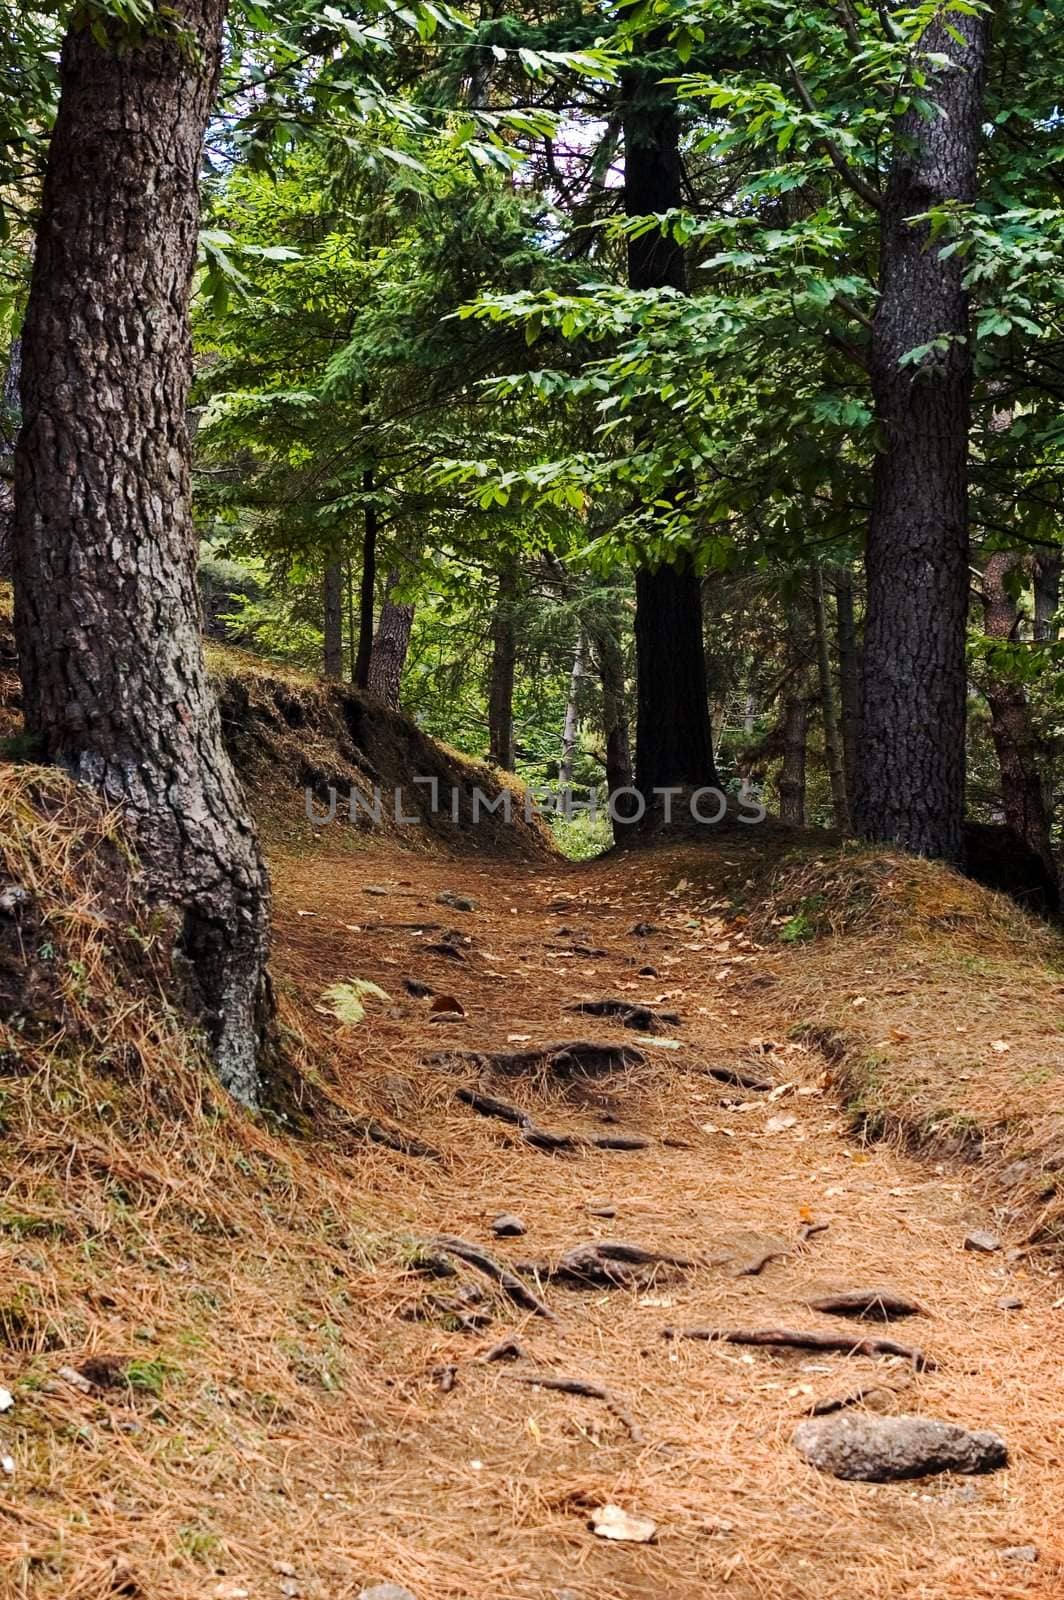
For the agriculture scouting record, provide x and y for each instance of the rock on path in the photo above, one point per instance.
(883, 1449)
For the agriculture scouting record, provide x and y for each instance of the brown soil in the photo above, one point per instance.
(278, 1398)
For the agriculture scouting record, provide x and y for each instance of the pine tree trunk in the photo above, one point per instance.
(614, 714)
(367, 589)
(333, 597)
(501, 684)
(673, 742)
(1022, 791)
(673, 745)
(849, 680)
(571, 728)
(390, 644)
(828, 715)
(107, 611)
(791, 783)
(911, 786)
(1047, 571)
(794, 730)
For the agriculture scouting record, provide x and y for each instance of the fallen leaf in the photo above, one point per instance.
(859, 1001)
(662, 1044)
(446, 1003)
(1000, 1046)
(7, 1400)
(778, 1124)
(610, 1522)
(344, 1001)
(518, 1038)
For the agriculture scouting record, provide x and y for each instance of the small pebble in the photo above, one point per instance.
(985, 1243)
(1020, 1552)
(386, 1591)
(1009, 1302)
(507, 1226)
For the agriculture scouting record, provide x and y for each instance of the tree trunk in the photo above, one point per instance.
(572, 717)
(107, 612)
(9, 409)
(503, 663)
(334, 618)
(673, 741)
(673, 745)
(1022, 791)
(1047, 570)
(828, 715)
(390, 644)
(911, 787)
(849, 680)
(367, 590)
(792, 773)
(794, 729)
(614, 713)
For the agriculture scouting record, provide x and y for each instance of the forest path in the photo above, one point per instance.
(485, 1488)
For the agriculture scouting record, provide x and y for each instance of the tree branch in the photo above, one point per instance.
(852, 179)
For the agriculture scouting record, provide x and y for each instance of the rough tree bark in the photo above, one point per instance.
(333, 599)
(794, 728)
(828, 714)
(390, 644)
(107, 613)
(673, 744)
(791, 783)
(1022, 791)
(367, 588)
(849, 679)
(501, 682)
(1047, 571)
(911, 782)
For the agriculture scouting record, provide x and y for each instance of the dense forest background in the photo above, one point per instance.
(644, 398)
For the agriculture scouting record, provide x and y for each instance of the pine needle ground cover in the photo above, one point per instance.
(233, 1366)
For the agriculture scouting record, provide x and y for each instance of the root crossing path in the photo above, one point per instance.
(597, 1181)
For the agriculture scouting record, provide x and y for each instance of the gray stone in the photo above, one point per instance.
(984, 1242)
(1010, 1302)
(507, 1226)
(386, 1591)
(883, 1449)
(1020, 1552)
(457, 902)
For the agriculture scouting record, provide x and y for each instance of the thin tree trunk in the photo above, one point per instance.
(334, 618)
(795, 743)
(674, 745)
(794, 729)
(1022, 791)
(367, 590)
(107, 611)
(572, 717)
(911, 789)
(390, 644)
(352, 630)
(1047, 571)
(503, 664)
(849, 679)
(828, 714)
(614, 713)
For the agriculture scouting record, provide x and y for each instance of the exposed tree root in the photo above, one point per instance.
(589, 1391)
(508, 1282)
(630, 1015)
(883, 1304)
(790, 1338)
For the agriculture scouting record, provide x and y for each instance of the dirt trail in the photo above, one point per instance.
(484, 1488)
